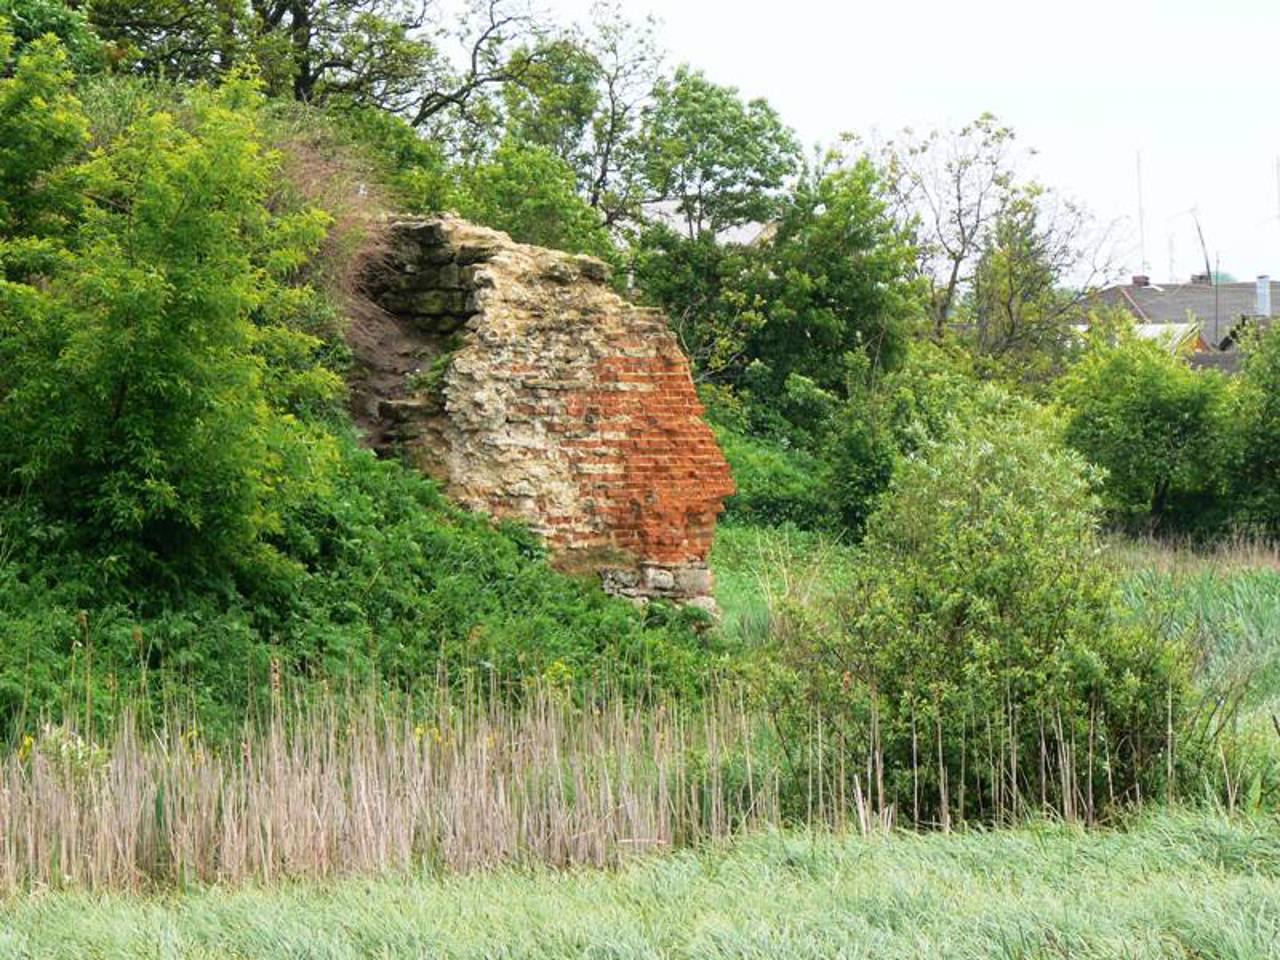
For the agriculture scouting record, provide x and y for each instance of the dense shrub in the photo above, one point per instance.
(1161, 430)
(1256, 425)
(821, 460)
(776, 484)
(144, 302)
(378, 577)
(982, 663)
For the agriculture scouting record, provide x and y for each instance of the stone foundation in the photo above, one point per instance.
(518, 377)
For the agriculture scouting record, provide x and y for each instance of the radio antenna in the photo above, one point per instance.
(1142, 215)
(1208, 270)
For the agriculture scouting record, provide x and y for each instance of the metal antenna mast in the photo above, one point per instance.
(1142, 216)
(1208, 270)
(1217, 259)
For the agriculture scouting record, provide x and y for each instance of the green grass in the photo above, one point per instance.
(1232, 615)
(754, 564)
(1175, 885)
(1229, 608)
(1169, 883)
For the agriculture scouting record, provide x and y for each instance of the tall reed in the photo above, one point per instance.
(329, 789)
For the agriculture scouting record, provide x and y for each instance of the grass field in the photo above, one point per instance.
(1174, 885)
(1227, 602)
(1169, 883)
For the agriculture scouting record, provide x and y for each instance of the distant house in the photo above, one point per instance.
(1220, 311)
(1185, 337)
(1178, 338)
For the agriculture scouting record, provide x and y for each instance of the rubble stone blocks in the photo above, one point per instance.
(520, 379)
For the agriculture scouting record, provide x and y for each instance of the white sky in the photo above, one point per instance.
(1088, 84)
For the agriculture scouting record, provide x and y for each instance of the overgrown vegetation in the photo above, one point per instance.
(182, 509)
(981, 660)
(923, 622)
(1172, 886)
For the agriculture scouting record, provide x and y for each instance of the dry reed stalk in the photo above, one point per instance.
(319, 791)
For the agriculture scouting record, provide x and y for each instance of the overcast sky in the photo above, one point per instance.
(1088, 84)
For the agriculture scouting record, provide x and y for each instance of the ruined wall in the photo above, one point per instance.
(523, 382)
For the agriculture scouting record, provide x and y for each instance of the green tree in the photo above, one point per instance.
(389, 54)
(134, 404)
(554, 103)
(175, 39)
(41, 126)
(838, 281)
(628, 60)
(531, 193)
(717, 161)
(1257, 421)
(31, 19)
(368, 51)
(710, 290)
(1158, 428)
(365, 51)
(1019, 313)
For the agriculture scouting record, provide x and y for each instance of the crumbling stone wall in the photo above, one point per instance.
(518, 377)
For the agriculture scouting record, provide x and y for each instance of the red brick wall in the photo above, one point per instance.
(561, 404)
(648, 466)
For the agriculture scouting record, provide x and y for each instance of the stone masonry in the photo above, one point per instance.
(518, 378)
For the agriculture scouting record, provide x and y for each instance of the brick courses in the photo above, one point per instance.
(557, 402)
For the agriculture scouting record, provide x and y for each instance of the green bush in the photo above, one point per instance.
(148, 294)
(378, 578)
(1162, 431)
(1256, 483)
(776, 484)
(821, 461)
(982, 663)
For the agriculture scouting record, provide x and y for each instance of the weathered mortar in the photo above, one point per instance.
(518, 377)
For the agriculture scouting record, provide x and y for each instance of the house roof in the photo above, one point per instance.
(1177, 337)
(1228, 361)
(1217, 308)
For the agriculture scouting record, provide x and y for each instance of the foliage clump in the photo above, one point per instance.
(1158, 427)
(136, 409)
(982, 662)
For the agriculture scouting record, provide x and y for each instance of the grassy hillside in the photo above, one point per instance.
(1175, 885)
